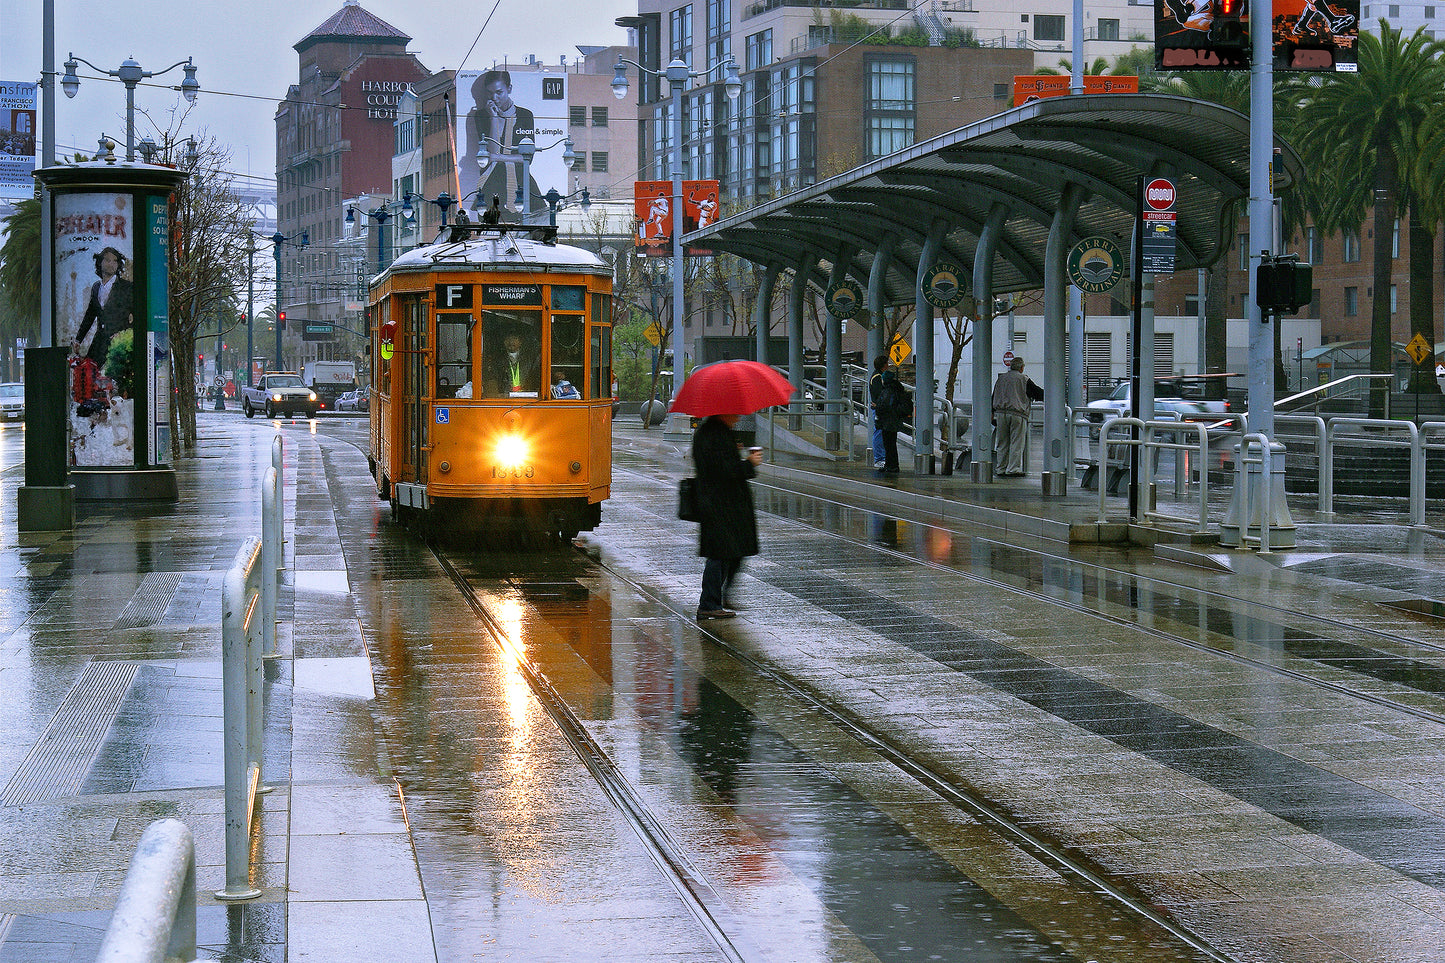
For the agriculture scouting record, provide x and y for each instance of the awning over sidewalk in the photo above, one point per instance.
(1022, 158)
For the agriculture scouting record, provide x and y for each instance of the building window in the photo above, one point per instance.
(1352, 302)
(1000, 91)
(1394, 303)
(1241, 244)
(719, 31)
(680, 22)
(1312, 245)
(577, 116)
(758, 50)
(1394, 11)
(599, 116)
(1048, 27)
(890, 113)
(1395, 239)
(1429, 13)
(1352, 247)
(599, 161)
(1108, 29)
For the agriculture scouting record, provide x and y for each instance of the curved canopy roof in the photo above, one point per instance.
(1022, 158)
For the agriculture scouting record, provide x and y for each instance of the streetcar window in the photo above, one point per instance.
(567, 358)
(601, 362)
(511, 354)
(454, 356)
(568, 297)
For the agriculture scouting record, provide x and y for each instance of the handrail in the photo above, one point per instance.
(155, 914)
(1150, 444)
(1324, 456)
(1381, 438)
(1322, 391)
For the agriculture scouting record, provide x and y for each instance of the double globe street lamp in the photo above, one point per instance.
(678, 74)
(130, 74)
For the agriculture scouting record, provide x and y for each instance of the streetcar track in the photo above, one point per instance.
(701, 900)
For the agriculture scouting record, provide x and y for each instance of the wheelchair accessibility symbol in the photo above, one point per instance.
(444, 415)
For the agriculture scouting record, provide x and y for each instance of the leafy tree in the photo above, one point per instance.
(1371, 122)
(20, 271)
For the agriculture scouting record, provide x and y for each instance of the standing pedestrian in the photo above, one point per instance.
(875, 387)
(729, 529)
(1012, 394)
(895, 405)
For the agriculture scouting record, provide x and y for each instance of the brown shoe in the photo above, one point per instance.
(715, 614)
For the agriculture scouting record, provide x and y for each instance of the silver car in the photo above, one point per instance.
(12, 401)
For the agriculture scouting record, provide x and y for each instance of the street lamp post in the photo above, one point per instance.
(528, 150)
(381, 215)
(250, 303)
(277, 240)
(677, 74)
(443, 201)
(557, 202)
(130, 74)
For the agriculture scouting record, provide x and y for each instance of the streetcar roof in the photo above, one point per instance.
(508, 249)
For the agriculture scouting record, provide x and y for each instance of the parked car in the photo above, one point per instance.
(352, 400)
(12, 400)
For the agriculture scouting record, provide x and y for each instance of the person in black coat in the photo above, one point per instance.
(729, 530)
(109, 307)
(894, 408)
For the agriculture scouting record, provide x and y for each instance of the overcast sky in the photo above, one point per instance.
(243, 52)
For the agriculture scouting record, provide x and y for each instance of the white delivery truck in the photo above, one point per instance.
(330, 380)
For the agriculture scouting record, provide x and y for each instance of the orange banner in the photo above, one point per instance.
(652, 207)
(1029, 87)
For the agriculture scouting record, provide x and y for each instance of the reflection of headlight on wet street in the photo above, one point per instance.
(511, 451)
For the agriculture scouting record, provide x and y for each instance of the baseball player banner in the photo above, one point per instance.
(652, 206)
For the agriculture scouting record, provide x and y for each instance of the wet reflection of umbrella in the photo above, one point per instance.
(731, 388)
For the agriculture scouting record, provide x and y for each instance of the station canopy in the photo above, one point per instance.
(1022, 158)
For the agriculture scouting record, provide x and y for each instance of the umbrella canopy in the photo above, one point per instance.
(731, 388)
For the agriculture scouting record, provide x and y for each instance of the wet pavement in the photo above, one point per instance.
(937, 731)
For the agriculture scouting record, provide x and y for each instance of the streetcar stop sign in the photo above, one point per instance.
(1159, 194)
(1095, 264)
(843, 299)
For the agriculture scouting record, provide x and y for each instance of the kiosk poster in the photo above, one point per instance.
(158, 327)
(1214, 35)
(17, 138)
(95, 315)
(496, 109)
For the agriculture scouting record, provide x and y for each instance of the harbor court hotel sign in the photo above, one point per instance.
(382, 96)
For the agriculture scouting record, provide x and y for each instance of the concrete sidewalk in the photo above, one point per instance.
(110, 666)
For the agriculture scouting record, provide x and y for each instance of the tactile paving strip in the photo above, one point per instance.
(148, 605)
(63, 754)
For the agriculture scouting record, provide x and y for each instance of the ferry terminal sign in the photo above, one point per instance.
(943, 285)
(1095, 265)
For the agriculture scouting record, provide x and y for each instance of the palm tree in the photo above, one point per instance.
(1364, 129)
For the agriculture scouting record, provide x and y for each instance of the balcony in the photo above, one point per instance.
(754, 9)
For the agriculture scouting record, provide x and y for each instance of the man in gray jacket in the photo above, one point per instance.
(1012, 393)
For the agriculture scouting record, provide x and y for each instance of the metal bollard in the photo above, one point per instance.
(241, 681)
(155, 915)
(272, 551)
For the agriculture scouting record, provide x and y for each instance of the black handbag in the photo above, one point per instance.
(687, 500)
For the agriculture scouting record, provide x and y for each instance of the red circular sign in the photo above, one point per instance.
(1159, 195)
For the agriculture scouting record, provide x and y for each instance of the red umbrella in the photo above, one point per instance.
(731, 388)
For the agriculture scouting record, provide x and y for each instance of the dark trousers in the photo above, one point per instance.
(890, 450)
(717, 578)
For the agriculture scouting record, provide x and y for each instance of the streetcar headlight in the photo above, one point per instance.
(511, 450)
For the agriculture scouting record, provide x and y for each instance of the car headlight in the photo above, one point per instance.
(511, 451)
(276, 396)
(313, 396)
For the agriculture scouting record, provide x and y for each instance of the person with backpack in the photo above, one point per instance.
(895, 405)
(875, 387)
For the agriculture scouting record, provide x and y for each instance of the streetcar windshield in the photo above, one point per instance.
(511, 354)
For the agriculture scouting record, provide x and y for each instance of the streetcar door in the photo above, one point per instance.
(412, 406)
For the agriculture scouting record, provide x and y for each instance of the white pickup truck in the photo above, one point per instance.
(281, 392)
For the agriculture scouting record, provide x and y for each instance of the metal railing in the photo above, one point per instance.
(248, 620)
(155, 915)
(1351, 387)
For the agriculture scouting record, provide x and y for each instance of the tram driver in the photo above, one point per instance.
(514, 371)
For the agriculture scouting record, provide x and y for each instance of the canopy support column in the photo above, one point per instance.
(923, 352)
(1056, 442)
(981, 391)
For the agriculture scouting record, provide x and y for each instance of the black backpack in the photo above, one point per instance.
(894, 399)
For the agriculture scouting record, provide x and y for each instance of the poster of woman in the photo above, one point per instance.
(95, 316)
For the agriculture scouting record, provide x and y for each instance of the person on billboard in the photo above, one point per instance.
(657, 224)
(500, 124)
(1317, 17)
(108, 311)
(706, 205)
(1192, 14)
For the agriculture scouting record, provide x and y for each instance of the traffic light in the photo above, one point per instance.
(1283, 285)
(281, 319)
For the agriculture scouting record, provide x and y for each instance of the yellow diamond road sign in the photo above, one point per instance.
(1419, 349)
(898, 350)
(653, 334)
